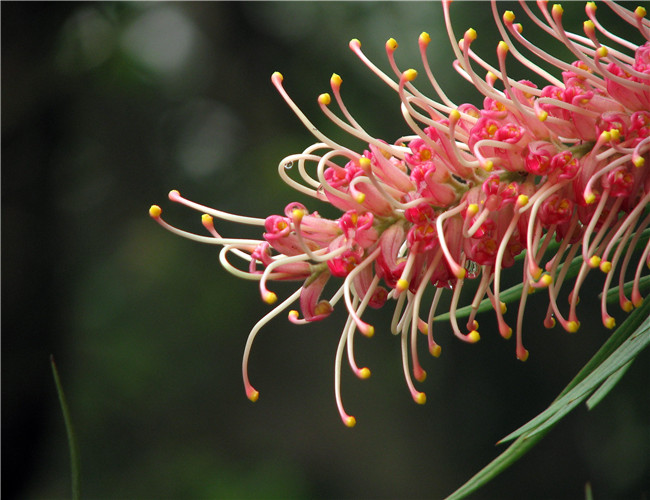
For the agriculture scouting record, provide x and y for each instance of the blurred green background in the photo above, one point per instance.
(108, 106)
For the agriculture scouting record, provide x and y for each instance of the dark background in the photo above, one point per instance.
(107, 106)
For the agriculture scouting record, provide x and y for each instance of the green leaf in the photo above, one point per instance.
(72, 440)
(597, 378)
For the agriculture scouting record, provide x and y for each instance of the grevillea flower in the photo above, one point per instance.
(553, 172)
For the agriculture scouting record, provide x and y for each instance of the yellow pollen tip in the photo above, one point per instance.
(402, 284)
(420, 398)
(605, 266)
(523, 356)
(602, 51)
(546, 280)
(504, 307)
(409, 75)
(557, 9)
(454, 115)
(324, 99)
(277, 76)
(588, 25)
(425, 38)
(253, 395)
(605, 135)
(542, 116)
(422, 376)
(336, 80)
(355, 42)
(609, 322)
(360, 197)
(639, 161)
(297, 214)
(155, 211)
(174, 193)
(350, 421)
(436, 351)
(627, 306)
(369, 331)
(270, 298)
(592, 5)
(391, 44)
(503, 46)
(594, 261)
(472, 209)
(461, 273)
(640, 11)
(473, 336)
(590, 198)
(508, 17)
(294, 314)
(572, 326)
(470, 35)
(616, 134)
(550, 323)
(522, 200)
(207, 219)
(488, 166)
(536, 274)
(364, 163)
(364, 373)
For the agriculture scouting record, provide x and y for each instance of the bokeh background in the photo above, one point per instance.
(108, 106)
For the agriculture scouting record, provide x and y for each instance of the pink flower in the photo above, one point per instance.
(546, 172)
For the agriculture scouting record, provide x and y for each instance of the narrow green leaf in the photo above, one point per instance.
(597, 378)
(72, 440)
(607, 386)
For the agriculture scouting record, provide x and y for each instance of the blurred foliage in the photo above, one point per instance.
(107, 106)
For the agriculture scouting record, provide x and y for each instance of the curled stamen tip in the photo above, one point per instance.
(557, 9)
(602, 51)
(536, 273)
(470, 35)
(252, 394)
(594, 261)
(435, 351)
(293, 315)
(349, 421)
(637, 299)
(627, 306)
(638, 161)
(590, 198)
(605, 266)
(473, 336)
(409, 75)
(522, 354)
(420, 375)
(391, 44)
(367, 330)
(640, 12)
(269, 297)
(207, 220)
(522, 200)
(609, 322)
(324, 99)
(572, 326)
(336, 80)
(355, 43)
(472, 209)
(508, 17)
(420, 398)
(505, 331)
(542, 116)
(277, 77)
(503, 46)
(402, 285)
(424, 38)
(297, 214)
(174, 195)
(503, 307)
(155, 211)
(549, 323)
(363, 373)
(546, 280)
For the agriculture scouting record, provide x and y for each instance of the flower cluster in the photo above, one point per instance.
(555, 175)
